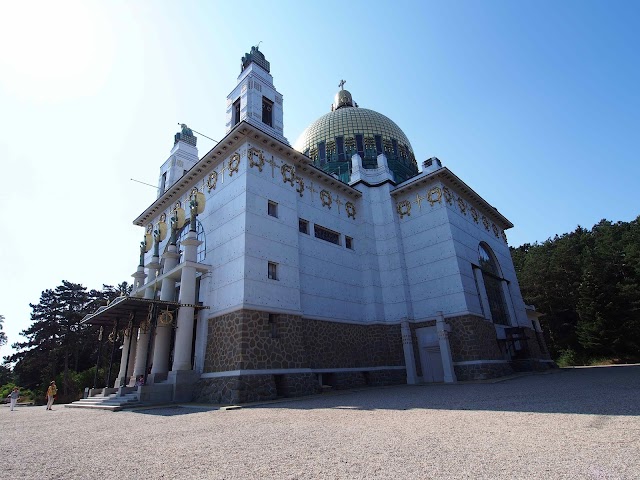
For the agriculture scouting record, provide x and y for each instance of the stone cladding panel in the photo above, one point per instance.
(254, 388)
(473, 338)
(246, 340)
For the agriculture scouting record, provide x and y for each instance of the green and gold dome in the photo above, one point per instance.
(334, 138)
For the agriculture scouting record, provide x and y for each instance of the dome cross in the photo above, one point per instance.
(341, 84)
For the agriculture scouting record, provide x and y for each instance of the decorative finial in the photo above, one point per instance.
(341, 84)
(258, 45)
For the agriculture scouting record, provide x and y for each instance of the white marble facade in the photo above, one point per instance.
(413, 246)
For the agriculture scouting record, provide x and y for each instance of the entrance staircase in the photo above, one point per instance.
(112, 401)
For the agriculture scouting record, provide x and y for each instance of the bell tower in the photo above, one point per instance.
(255, 98)
(183, 156)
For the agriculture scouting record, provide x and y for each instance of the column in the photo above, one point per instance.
(162, 342)
(132, 353)
(445, 349)
(123, 359)
(149, 293)
(184, 329)
(409, 358)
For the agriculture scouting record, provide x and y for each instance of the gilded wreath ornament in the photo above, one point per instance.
(434, 196)
(325, 198)
(404, 208)
(300, 186)
(212, 180)
(165, 319)
(256, 158)
(288, 173)
(234, 164)
(351, 210)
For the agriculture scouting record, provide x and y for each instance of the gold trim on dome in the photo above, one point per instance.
(212, 180)
(462, 206)
(254, 152)
(404, 208)
(474, 214)
(300, 187)
(288, 173)
(485, 222)
(351, 210)
(234, 164)
(438, 196)
(326, 199)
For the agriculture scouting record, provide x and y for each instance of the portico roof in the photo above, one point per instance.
(134, 308)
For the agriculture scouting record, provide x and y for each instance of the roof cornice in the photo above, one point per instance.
(243, 131)
(447, 176)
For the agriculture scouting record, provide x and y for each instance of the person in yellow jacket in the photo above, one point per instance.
(51, 394)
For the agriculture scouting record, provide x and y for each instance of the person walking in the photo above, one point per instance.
(14, 395)
(51, 394)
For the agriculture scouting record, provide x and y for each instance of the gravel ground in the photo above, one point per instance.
(574, 423)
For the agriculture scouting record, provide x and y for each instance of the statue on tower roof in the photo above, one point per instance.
(255, 56)
(185, 135)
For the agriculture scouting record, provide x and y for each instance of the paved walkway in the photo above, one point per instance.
(575, 423)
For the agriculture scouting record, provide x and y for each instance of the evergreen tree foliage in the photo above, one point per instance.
(587, 283)
(3, 336)
(58, 343)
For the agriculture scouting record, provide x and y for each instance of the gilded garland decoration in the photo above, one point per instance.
(165, 319)
(351, 210)
(504, 236)
(325, 197)
(495, 230)
(212, 180)
(300, 187)
(462, 206)
(485, 222)
(474, 214)
(234, 164)
(288, 173)
(256, 158)
(448, 196)
(404, 208)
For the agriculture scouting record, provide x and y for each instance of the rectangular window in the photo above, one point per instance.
(303, 226)
(348, 242)
(378, 144)
(267, 111)
(326, 234)
(163, 182)
(360, 145)
(340, 146)
(322, 152)
(272, 209)
(236, 112)
(272, 271)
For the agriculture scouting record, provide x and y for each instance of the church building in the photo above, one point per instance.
(269, 269)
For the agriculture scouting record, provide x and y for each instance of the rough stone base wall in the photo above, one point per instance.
(473, 338)
(255, 388)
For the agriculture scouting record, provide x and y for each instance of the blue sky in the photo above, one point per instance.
(533, 104)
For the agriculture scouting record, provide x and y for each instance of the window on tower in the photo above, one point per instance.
(236, 112)
(267, 111)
